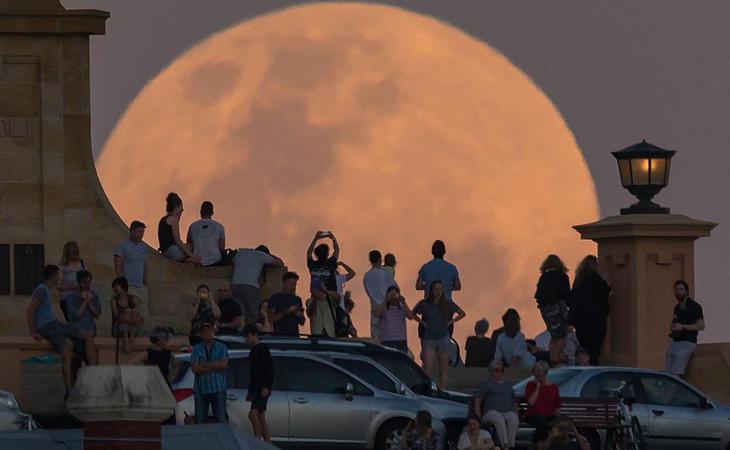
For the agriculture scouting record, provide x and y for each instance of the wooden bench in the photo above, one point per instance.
(600, 413)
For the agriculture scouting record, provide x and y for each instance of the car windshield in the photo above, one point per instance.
(558, 376)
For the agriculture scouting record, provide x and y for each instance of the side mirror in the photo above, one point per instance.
(705, 403)
(349, 389)
(401, 388)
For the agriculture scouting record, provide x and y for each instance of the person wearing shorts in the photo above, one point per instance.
(248, 267)
(687, 322)
(65, 339)
(435, 313)
(261, 371)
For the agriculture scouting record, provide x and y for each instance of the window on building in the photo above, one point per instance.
(28, 260)
(4, 269)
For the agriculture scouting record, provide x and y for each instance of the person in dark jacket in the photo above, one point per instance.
(552, 295)
(589, 307)
(261, 370)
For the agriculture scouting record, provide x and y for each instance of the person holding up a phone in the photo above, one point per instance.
(320, 263)
(563, 436)
(204, 310)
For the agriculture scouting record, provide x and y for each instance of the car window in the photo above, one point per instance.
(367, 372)
(556, 376)
(306, 375)
(403, 368)
(607, 383)
(663, 390)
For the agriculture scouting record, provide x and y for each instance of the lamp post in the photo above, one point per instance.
(644, 170)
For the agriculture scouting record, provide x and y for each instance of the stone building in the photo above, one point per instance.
(49, 190)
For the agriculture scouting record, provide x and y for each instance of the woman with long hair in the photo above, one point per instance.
(552, 295)
(263, 323)
(589, 307)
(71, 264)
(420, 435)
(436, 313)
(168, 232)
(126, 318)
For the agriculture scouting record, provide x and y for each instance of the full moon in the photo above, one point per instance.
(389, 128)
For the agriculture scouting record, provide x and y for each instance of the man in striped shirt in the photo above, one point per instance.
(209, 361)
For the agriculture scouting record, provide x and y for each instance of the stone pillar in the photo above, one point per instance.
(641, 256)
(121, 407)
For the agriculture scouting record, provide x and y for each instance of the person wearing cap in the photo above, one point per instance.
(209, 361)
(479, 348)
(321, 309)
(392, 314)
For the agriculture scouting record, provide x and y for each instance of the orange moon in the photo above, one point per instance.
(389, 128)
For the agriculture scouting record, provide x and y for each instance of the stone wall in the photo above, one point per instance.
(49, 189)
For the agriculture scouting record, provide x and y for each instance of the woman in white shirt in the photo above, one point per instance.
(474, 438)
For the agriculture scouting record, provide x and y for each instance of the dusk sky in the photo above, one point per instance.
(618, 72)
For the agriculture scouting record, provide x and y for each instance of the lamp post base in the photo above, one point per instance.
(644, 207)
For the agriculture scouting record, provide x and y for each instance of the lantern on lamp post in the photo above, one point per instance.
(644, 170)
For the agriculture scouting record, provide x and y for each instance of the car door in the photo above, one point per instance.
(678, 416)
(605, 383)
(318, 408)
(277, 410)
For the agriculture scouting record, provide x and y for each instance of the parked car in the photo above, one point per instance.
(450, 407)
(11, 416)
(313, 402)
(672, 413)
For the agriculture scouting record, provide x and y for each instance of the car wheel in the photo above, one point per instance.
(388, 437)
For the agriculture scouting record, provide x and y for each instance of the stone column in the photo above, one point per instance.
(641, 256)
(121, 407)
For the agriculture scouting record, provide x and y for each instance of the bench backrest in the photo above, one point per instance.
(585, 412)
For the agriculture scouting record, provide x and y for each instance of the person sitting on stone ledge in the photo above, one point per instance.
(45, 322)
(207, 237)
(479, 348)
(168, 232)
(204, 310)
(126, 317)
(83, 306)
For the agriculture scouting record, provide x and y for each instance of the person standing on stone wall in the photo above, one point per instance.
(343, 278)
(552, 295)
(43, 322)
(71, 264)
(323, 266)
(438, 269)
(286, 309)
(589, 307)
(687, 322)
(377, 280)
(130, 262)
(248, 266)
(207, 237)
(209, 361)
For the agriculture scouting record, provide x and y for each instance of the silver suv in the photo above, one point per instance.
(313, 401)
